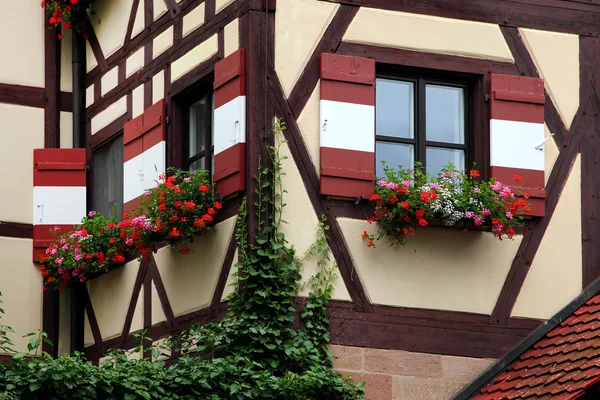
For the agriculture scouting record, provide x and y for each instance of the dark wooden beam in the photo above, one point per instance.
(161, 292)
(320, 203)
(16, 230)
(224, 274)
(89, 310)
(130, 24)
(135, 294)
(97, 50)
(550, 15)
(329, 43)
(51, 88)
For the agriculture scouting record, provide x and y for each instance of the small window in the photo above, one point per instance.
(200, 133)
(107, 178)
(419, 119)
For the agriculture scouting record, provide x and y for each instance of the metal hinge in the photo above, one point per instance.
(487, 97)
(167, 120)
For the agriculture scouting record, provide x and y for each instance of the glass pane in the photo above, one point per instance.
(445, 114)
(396, 155)
(437, 158)
(108, 178)
(197, 127)
(198, 164)
(394, 108)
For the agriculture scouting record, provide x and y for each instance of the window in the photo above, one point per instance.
(199, 128)
(107, 178)
(421, 119)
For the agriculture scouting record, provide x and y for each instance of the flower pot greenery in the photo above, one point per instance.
(412, 198)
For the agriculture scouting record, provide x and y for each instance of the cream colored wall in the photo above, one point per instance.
(190, 280)
(21, 287)
(299, 25)
(22, 131)
(308, 122)
(556, 56)
(428, 34)
(301, 229)
(110, 24)
(555, 278)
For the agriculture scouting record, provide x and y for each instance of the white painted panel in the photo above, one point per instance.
(134, 63)
(132, 178)
(162, 42)
(109, 80)
(230, 124)
(194, 57)
(222, 4)
(512, 144)
(55, 205)
(347, 126)
(112, 112)
(158, 87)
(193, 20)
(153, 164)
(137, 101)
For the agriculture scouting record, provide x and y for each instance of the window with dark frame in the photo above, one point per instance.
(418, 118)
(107, 178)
(199, 151)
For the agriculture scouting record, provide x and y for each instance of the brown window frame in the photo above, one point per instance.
(476, 112)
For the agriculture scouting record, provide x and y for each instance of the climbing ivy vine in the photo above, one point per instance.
(254, 352)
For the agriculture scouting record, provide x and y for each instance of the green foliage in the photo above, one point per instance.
(253, 353)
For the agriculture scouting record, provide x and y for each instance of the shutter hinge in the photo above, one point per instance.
(167, 120)
(87, 168)
(487, 97)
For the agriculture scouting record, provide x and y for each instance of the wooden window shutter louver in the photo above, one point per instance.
(516, 129)
(144, 153)
(347, 126)
(59, 194)
(229, 173)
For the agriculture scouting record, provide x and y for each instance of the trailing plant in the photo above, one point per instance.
(70, 14)
(413, 198)
(179, 208)
(254, 352)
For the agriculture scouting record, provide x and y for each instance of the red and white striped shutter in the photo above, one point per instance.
(59, 194)
(347, 126)
(144, 153)
(516, 129)
(229, 173)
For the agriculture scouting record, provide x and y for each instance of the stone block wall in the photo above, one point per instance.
(402, 375)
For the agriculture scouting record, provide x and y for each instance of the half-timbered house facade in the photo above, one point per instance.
(510, 85)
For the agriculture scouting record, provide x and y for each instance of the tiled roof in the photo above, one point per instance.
(562, 365)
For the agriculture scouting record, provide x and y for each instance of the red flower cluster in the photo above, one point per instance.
(178, 209)
(65, 12)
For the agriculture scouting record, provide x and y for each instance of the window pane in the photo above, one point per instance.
(445, 114)
(198, 164)
(437, 158)
(395, 154)
(198, 114)
(394, 110)
(108, 178)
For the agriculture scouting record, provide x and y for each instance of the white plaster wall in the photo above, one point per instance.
(428, 34)
(299, 25)
(23, 28)
(556, 56)
(21, 287)
(232, 36)
(22, 129)
(194, 57)
(110, 24)
(439, 268)
(308, 121)
(555, 275)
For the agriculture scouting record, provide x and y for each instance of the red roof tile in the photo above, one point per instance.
(560, 366)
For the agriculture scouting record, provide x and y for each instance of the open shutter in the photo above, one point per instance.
(229, 173)
(59, 194)
(347, 126)
(516, 136)
(144, 153)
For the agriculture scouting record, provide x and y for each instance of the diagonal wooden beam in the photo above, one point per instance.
(162, 293)
(320, 204)
(137, 288)
(225, 269)
(89, 309)
(526, 66)
(96, 49)
(329, 43)
(130, 24)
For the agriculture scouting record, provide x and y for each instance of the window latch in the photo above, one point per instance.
(41, 208)
(141, 172)
(540, 146)
(324, 126)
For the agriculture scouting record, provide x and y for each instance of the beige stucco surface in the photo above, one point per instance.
(109, 80)
(440, 268)
(134, 62)
(301, 229)
(190, 280)
(137, 101)
(21, 287)
(194, 57)
(158, 314)
(110, 24)
(22, 131)
(64, 322)
(232, 36)
(138, 24)
(23, 28)
(91, 61)
(231, 280)
(556, 56)
(66, 62)
(309, 126)
(159, 8)
(299, 25)
(193, 20)
(555, 278)
(428, 34)
(66, 130)
(220, 5)
(158, 87)
(162, 42)
(108, 115)
(110, 295)
(550, 154)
